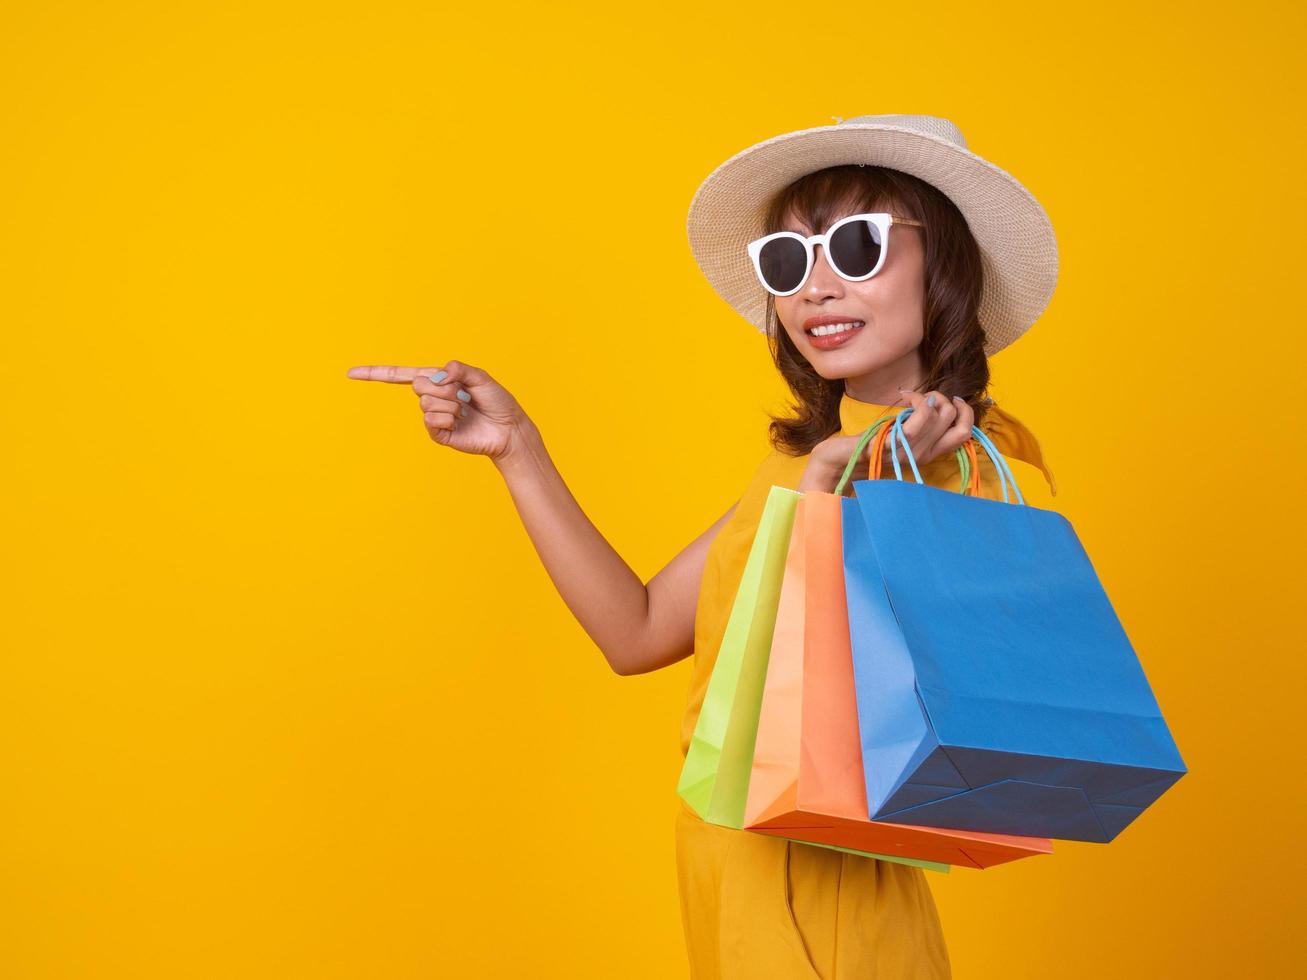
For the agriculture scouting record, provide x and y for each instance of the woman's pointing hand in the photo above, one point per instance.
(463, 408)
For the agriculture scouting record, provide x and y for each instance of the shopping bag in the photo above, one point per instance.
(738, 671)
(996, 688)
(714, 778)
(807, 774)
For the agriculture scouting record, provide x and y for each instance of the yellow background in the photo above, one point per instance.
(286, 691)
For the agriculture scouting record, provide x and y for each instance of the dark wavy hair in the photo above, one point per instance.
(953, 342)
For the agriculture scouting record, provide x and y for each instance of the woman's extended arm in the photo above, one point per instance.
(637, 627)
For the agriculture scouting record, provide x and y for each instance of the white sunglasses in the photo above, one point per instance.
(855, 246)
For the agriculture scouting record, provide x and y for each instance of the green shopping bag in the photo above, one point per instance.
(714, 779)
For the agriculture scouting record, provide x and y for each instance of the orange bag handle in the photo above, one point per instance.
(974, 486)
(877, 450)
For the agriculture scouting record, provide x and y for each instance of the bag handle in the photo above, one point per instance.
(968, 462)
(877, 451)
(974, 469)
(1000, 464)
(970, 469)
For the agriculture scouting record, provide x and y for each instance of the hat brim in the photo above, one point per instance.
(1017, 245)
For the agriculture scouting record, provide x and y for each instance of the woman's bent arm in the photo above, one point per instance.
(673, 599)
(638, 628)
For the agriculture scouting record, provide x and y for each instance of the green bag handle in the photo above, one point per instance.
(964, 462)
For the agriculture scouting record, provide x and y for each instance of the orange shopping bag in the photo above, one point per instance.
(807, 780)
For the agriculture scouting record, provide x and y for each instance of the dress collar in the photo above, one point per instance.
(856, 416)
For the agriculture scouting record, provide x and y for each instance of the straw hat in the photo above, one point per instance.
(1017, 246)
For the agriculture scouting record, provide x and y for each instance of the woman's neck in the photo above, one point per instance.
(881, 386)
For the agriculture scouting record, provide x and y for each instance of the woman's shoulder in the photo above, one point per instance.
(774, 469)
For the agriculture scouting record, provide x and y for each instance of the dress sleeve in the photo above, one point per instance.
(1016, 442)
(1035, 491)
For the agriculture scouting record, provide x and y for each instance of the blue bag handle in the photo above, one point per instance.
(1000, 464)
(897, 435)
(964, 460)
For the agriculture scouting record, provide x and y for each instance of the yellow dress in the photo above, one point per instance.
(758, 907)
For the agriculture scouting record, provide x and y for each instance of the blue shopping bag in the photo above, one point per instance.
(997, 690)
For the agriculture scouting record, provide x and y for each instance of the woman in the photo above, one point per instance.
(885, 263)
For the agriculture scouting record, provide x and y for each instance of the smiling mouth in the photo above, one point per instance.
(832, 329)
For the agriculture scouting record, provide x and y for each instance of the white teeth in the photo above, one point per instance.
(831, 328)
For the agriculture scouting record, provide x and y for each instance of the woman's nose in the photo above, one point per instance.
(822, 279)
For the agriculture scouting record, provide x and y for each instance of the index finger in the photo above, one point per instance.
(391, 373)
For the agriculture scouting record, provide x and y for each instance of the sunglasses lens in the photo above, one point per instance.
(855, 248)
(783, 262)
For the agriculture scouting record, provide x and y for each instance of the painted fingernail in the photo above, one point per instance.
(439, 376)
(465, 396)
(931, 401)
